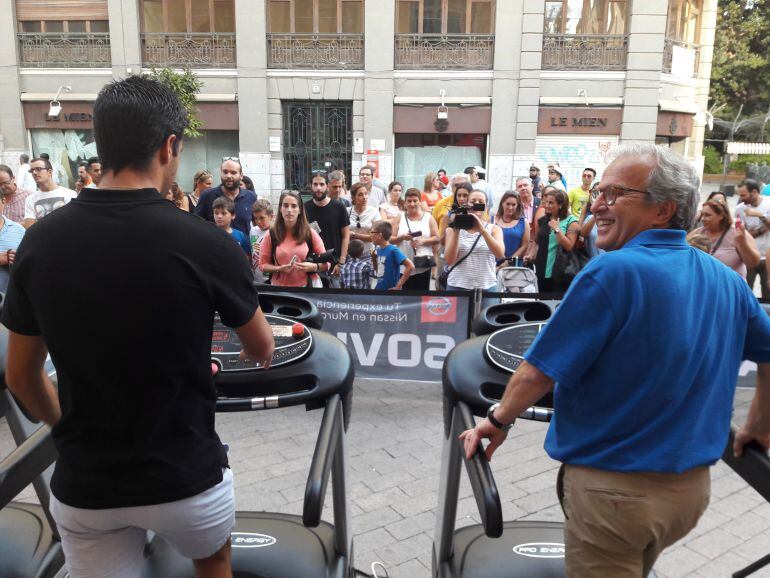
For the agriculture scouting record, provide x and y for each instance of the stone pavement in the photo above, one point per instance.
(395, 449)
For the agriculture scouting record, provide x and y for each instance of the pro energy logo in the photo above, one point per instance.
(540, 550)
(249, 540)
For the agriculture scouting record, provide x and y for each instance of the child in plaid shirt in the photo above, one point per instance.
(357, 272)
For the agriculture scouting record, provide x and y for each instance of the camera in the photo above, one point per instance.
(325, 257)
(461, 219)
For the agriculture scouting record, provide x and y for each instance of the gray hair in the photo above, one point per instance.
(672, 179)
(521, 179)
(460, 177)
(336, 176)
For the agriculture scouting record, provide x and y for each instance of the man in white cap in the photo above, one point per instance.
(556, 178)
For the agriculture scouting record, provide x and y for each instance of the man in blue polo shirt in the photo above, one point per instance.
(644, 382)
(243, 199)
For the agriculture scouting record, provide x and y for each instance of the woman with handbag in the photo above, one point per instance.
(729, 244)
(471, 253)
(362, 216)
(556, 230)
(417, 237)
(283, 252)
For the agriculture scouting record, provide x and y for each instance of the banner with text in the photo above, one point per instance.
(395, 335)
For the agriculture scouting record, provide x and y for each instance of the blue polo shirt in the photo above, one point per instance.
(645, 350)
(243, 204)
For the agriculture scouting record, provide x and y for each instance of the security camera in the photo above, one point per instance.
(54, 109)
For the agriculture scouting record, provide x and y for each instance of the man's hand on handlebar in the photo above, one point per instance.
(244, 357)
(744, 436)
(483, 430)
(257, 340)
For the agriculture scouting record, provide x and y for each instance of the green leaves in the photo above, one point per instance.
(185, 85)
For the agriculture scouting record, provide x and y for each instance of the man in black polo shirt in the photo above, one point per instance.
(121, 287)
(330, 220)
(244, 199)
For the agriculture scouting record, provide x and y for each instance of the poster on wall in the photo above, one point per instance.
(66, 149)
(574, 153)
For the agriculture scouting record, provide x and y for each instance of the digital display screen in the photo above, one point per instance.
(517, 340)
(221, 336)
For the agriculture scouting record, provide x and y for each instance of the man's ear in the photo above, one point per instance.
(665, 212)
(167, 149)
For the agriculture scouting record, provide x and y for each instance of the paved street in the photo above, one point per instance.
(395, 449)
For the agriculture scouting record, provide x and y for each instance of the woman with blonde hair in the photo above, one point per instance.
(202, 180)
(431, 191)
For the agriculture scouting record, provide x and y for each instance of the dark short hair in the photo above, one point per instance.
(592, 170)
(6, 169)
(413, 192)
(750, 184)
(248, 182)
(93, 161)
(23, 158)
(262, 205)
(44, 160)
(223, 203)
(322, 174)
(356, 248)
(370, 168)
(469, 170)
(133, 117)
(562, 200)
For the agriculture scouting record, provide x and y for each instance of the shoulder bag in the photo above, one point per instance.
(443, 278)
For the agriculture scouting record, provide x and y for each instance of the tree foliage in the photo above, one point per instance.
(186, 86)
(740, 73)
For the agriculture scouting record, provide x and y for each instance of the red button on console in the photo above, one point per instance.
(297, 330)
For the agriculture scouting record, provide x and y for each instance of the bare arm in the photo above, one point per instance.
(27, 223)
(747, 248)
(587, 227)
(567, 241)
(527, 385)
(26, 377)
(257, 339)
(494, 241)
(408, 268)
(451, 246)
(757, 426)
(524, 243)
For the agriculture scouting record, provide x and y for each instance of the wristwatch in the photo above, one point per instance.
(494, 421)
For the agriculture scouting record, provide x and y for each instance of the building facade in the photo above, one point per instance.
(411, 86)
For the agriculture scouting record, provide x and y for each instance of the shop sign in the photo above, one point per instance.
(674, 124)
(579, 121)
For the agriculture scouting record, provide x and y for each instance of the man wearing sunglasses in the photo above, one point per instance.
(230, 187)
(644, 385)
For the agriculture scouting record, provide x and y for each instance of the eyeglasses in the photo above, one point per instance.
(34, 170)
(612, 193)
(366, 174)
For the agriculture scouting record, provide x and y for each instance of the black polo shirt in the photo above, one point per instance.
(123, 287)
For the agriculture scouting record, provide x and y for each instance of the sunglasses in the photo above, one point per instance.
(236, 159)
(358, 221)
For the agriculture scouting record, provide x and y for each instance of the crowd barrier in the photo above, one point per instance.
(406, 335)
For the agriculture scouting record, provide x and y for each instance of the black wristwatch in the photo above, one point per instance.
(491, 417)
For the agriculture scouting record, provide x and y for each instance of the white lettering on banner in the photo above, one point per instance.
(415, 350)
(432, 357)
(435, 356)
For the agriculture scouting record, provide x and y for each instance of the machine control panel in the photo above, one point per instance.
(505, 348)
(293, 341)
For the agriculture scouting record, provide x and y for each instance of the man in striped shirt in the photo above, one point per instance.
(11, 234)
(15, 195)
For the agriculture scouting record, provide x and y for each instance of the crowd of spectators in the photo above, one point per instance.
(452, 234)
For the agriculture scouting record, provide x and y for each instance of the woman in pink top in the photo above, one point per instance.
(729, 244)
(293, 237)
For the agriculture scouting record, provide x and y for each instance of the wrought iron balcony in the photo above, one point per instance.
(584, 51)
(688, 51)
(445, 51)
(316, 51)
(64, 50)
(195, 49)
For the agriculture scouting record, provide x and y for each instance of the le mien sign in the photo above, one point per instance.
(579, 121)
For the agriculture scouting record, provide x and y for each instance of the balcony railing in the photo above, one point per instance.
(688, 56)
(316, 51)
(444, 51)
(196, 50)
(584, 51)
(64, 50)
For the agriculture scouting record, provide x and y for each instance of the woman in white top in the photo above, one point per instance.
(393, 207)
(477, 270)
(362, 216)
(417, 236)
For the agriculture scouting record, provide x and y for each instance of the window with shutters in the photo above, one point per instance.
(315, 34)
(681, 51)
(445, 34)
(74, 34)
(194, 33)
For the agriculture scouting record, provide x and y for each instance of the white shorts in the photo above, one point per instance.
(110, 543)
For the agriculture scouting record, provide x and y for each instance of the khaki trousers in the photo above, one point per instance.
(617, 524)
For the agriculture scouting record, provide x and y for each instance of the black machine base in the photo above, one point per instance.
(28, 547)
(285, 549)
(532, 549)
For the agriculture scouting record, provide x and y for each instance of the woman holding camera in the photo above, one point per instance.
(510, 218)
(283, 252)
(417, 237)
(557, 228)
(471, 252)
